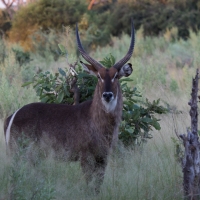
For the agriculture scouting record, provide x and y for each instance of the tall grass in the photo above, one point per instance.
(162, 68)
(148, 173)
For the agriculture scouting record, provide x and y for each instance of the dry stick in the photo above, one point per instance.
(191, 159)
(74, 88)
(8, 6)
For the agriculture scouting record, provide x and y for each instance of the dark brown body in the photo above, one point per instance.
(59, 122)
(82, 131)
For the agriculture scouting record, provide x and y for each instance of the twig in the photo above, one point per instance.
(191, 159)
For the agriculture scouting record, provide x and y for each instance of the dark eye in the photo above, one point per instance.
(98, 76)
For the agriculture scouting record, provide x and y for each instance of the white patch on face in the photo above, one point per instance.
(100, 77)
(114, 77)
(110, 106)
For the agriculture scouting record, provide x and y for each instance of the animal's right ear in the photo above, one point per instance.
(89, 68)
(126, 70)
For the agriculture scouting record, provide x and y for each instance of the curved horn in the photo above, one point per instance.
(123, 61)
(93, 62)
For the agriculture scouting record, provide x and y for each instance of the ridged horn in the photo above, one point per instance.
(89, 59)
(124, 60)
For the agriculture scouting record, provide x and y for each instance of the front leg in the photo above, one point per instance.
(100, 167)
(115, 138)
(88, 166)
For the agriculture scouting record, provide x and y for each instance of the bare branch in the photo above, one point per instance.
(191, 159)
(8, 4)
(75, 90)
(73, 82)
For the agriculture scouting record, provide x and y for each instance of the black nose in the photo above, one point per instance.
(107, 96)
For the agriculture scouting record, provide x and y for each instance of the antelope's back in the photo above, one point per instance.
(58, 122)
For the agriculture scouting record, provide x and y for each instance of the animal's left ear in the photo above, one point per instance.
(89, 68)
(126, 70)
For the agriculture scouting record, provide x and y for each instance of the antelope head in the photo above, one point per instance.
(108, 79)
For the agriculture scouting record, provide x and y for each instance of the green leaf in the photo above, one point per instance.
(58, 87)
(136, 115)
(60, 97)
(27, 83)
(156, 125)
(112, 58)
(130, 130)
(62, 72)
(62, 49)
(126, 79)
(108, 61)
(135, 106)
(45, 99)
(146, 119)
(47, 72)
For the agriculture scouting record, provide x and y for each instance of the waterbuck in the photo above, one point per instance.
(85, 131)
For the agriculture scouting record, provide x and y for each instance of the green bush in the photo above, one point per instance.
(21, 56)
(44, 15)
(154, 16)
(5, 22)
(138, 117)
(98, 24)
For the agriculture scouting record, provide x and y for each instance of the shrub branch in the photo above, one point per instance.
(191, 159)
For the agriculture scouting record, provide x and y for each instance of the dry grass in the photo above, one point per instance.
(148, 173)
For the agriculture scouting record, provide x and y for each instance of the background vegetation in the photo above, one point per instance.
(132, 173)
(104, 19)
(163, 66)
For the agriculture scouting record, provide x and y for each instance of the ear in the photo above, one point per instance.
(126, 70)
(89, 68)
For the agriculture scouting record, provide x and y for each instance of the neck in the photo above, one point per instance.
(103, 119)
